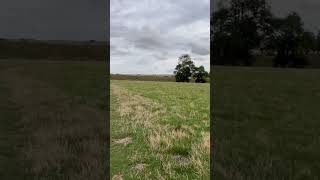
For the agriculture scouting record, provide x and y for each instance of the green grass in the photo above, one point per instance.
(85, 81)
(267, 123)
(11, 138)
(61, 107)
(164, 108)
(267, 61)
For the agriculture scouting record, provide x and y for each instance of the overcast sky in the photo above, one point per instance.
(309, 10)
(148, 36)
(54, 19)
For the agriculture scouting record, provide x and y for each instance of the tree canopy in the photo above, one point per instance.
(200, 74)
(242, 27)
(237, 29)
(185, 70)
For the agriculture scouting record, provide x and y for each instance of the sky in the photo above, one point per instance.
(148, 36)
(55, 19)
(309, 10)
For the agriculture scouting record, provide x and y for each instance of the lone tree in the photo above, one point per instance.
(200, 74)
(184, 69)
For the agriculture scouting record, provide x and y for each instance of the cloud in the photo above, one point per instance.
(307, 9)
(148, 36)
(199, 49)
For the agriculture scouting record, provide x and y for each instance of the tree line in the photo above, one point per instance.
(50, 50)
(242, 28)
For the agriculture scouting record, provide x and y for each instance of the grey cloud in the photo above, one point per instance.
(116, 51)
(308, 10)
(145, 61)
(200, 50)
(161, 56)
(148, 38)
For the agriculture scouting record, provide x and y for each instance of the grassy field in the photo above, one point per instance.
(266, 123)
(267, 61)
(159, 130)
(53, 120)
(11, 137)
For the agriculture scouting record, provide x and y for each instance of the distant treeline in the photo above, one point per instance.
(137, 77)
(242, 31)
(53, 50)
(164, 78)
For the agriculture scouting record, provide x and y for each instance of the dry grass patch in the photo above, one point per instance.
(124, 141)
(140, 167)
(199, 153)
(117, 177)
